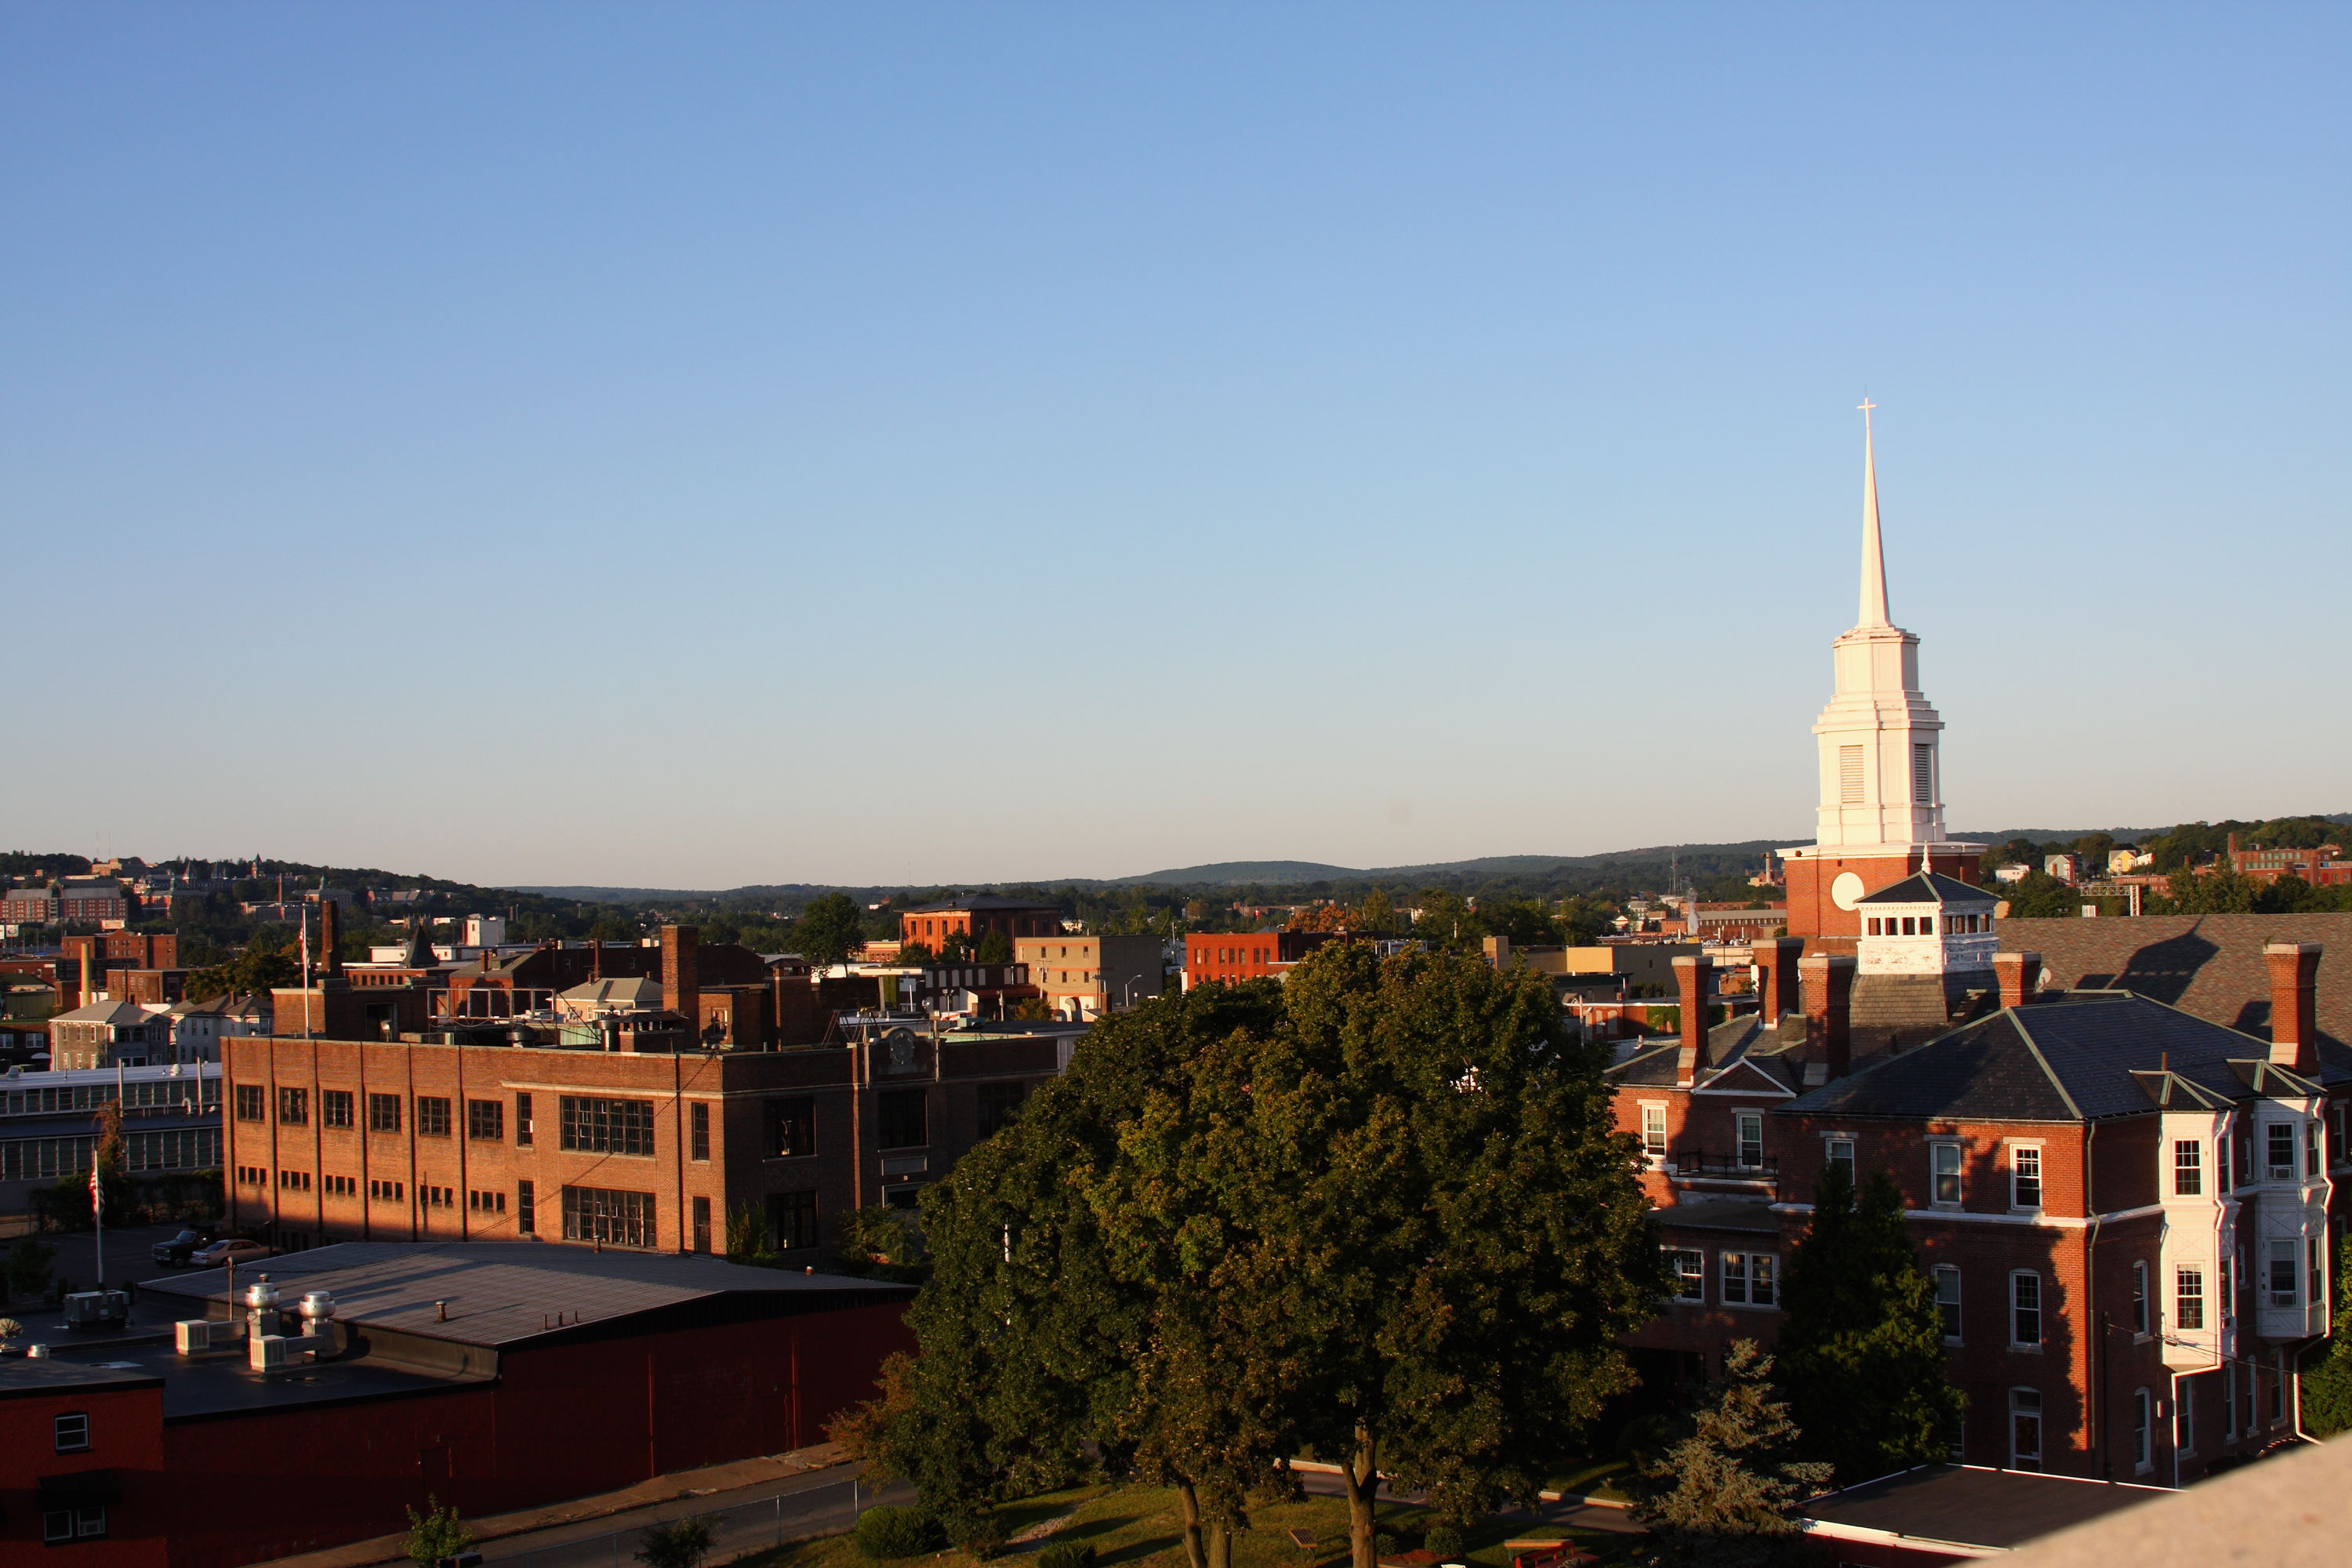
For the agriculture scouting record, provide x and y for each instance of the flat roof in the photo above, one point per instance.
(503, 1293)
(24, 1376)
(219, 1381)
(1968, 1505)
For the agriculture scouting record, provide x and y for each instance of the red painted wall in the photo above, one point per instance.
(124, 1436)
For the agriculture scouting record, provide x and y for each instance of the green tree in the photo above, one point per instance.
(996, 947)
(272, 959)
(1411, 1218)
(1861, 1348)
(681, 1543)
(830, 928)
(2037, 895)
(435, 1533)
(1719, 1497)
(28, 1266)
(2327, 1366)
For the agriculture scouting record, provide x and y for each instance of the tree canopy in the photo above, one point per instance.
(830, 928)
(1379, 1212)
(1861, 1347)
(1719, 1497)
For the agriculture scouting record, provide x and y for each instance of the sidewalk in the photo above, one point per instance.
(675, 1487)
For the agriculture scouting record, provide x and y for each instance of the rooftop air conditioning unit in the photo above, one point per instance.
(267, 1352)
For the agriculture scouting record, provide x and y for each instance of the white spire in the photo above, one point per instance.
(1873, 559)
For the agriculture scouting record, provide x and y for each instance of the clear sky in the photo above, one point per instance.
(691, 446)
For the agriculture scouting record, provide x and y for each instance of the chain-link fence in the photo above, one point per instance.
(737, 1528)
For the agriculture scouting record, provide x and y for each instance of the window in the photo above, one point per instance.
(2246, 1158)
(1944, 1164)
(335, 1108)
(789, 1127)
(383, 1114)
(1688, 1266)
(63, 1524)
(616, 1219)
(1000, 1106)
(248, 1102)
(604, 1127)
(2143, 1453)
(432, 1115)
(440, 1198)
(2025, 1310)
(1910, 925)
(1653, 1132)
(904, 1118)
(1750, 1127)
(522, 1121)
(1841, 1156)
(1748, 1278)
(2278, 1385)
(2184, 1417)
(2282, 1149)
(701, 1221)
(2024, 1429)
(2139, 1298)
(1948, 1301)
(1923, 774)
(386, 1192)
(1926, 925)
(293, 1108)
(526, 1210)
(1849, 776)
(791, 1220)
(698, 1126)
(2187, 1168)
(2285, 1290)
(72, 1432)
(2311, 1140)
(2228, 1303)
(2188, 1298)
(2025, 1176)
(2314, 1273)
(486, 1120)
(1874, 929)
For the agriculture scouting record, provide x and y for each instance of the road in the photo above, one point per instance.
(1562, 1515)
(741, 1522)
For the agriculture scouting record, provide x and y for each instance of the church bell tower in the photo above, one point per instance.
(1881, 815)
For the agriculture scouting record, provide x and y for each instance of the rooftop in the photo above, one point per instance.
(975, 902)
(1965, 1505)
(1930, 888)
(2211, 966)
(30, 1377)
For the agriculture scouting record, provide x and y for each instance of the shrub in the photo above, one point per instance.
(1384, 1544)
(1067, 1554)
(1444, 1537)
(682, 1543)
(897, 1532)
(980, 1536)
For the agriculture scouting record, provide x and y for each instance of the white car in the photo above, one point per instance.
(228, 1249)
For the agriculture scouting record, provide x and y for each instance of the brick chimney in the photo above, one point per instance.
(2295, 995)
(681, 976)
(88, 983)
(331, 938)
(1827, 982)
(1690, 988)
(2019, 975)
(1776, 975)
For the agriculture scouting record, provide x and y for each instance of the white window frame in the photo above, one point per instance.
(2289, 1249)
(1959, 1174)
(2184, 1275)
(2142, 1315)
(2143, 1432)
(2194, 1170)
(2271, 1169)
(1936, 1277)
(1741, 1122)
(2016, 1178)
(1687, 1288)
(75, 1423)
(2039, 1309)
(2184, 1417)
(1754, 1273)
(1653, 1122)
(1837, 1148)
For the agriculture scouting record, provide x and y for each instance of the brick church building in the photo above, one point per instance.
(2125, 1167)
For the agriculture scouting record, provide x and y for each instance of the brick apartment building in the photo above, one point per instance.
(973, 916)
(391, 1140)
(1085, 976)
(1232, 957)
(2129, 1211)
(2321, 867)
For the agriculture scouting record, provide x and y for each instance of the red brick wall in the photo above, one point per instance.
(125, 1436)
(1813, 914)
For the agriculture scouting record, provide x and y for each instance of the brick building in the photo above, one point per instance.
(377, 1140)
(2129, 1211)
(495, 1377)
(1234, 956)
(1085, 976)
(973, 916)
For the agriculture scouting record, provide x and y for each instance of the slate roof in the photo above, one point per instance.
(1930, 888)
(499, 1293)
(120, 1014)
(2078, 1058)
(1741, 1038)
(2211, 966)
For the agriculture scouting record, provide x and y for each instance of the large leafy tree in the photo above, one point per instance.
(1861, 1351)
(2327, 1366)
(1719, 1497)
(829, 928)
(1420, 1233)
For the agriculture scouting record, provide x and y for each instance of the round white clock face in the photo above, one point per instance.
(1847, 890)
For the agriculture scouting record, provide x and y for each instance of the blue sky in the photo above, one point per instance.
(695, 446)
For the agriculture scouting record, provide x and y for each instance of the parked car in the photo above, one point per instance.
(175, 1253)
(228, 1249)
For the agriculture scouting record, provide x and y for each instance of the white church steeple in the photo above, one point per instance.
(1874, 556)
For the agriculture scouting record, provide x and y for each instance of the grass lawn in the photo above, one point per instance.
(1595, 1477)
(1131, 1526)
